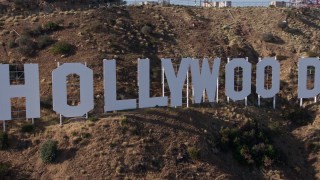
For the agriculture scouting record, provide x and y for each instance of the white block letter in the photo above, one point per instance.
(144, 87)
(246, 79)
(59, 89)
(303, 92)
(176, 82)
(268, 93)
(30, 90)
(110, 89)
(205, 80)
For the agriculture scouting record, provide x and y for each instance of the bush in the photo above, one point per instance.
(51, 26)
(44, 41)
(62, 48)
(194, 153)
(312, 54)
(281, 57)
(4, 170)
(98, 27)
(27, 128)
(85, 135)
(250, 145)
(48, 151)
(12, 44)
(26, 45)
(32, 32)
(19, 2)
(268, 37)
(4, 141)
(282, 24)
(146, 30)
(299, 116)
(93, 119)
(271, 38)
(124, 121)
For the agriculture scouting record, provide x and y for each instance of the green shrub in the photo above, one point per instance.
(193, 153)
(48, 151)
(269, 37)
(4, 141)
(77, 140)
(250, 145)
(62, 48)
(98, 27)
(27, 128)
(26, 45)
(12, 44)
(93, 118)
(74, 133)
(312, 54)
(282, 24)
(291, 13)
(85, 135)
(51, 26)
(146, 30)
(19, 3)
(124, 121)
(44, 41)
(299, 116)
(281, 57)
(32, 32)
(4, 170)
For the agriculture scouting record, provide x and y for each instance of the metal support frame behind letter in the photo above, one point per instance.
(162, 80)
(187, 88)
(246, 98)
(228, 99)
(259, 97)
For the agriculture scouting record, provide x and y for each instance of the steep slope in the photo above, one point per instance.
(165, 143)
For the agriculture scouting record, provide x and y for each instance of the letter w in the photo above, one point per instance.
(205, 80)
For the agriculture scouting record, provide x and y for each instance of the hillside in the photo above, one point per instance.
(166, 143)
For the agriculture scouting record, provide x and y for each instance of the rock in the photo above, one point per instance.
(80, 34)
(119, 170)
(4, 32)
(35, 19)
(12, 61)
(23, 59)
(82, 171)
(9, 19)
(124, 143)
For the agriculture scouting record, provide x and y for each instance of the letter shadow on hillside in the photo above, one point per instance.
(65, 154)
(192, 122)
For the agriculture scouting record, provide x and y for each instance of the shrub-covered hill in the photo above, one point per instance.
(223, 141)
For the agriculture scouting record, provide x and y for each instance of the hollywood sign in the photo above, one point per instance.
(204, 81)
